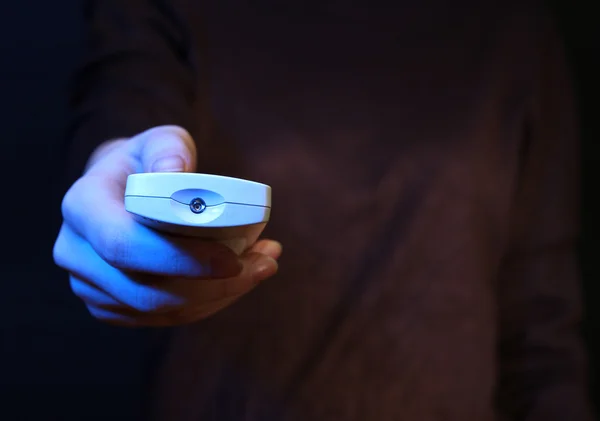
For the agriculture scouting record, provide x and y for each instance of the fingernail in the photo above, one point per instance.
(263, 269)
(222, 267)
(169, 164)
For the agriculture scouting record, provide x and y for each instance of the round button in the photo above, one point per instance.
(197, 205)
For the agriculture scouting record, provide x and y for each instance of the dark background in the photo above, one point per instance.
(56, 363)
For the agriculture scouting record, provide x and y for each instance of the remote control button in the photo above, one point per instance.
(197, 205)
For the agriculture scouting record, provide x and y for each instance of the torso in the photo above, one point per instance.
(391, 141)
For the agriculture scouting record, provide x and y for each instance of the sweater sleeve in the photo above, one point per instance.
(137, 72)
(542, 362)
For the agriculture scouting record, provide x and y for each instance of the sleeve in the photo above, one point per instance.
(542, 361)
(138, 71)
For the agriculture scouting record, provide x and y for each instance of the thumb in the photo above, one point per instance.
(164, 149)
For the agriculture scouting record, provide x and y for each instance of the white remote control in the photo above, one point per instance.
(229, 210)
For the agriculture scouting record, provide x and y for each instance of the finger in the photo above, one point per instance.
(160, 149)
(92, 211)
(123, 317)
(91, 295)
(107, 309)
(270, 248)
(151, 294)
(164, 149)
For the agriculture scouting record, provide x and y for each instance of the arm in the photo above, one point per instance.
(542, 366)
(138, 72)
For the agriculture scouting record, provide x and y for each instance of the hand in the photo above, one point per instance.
(128, 274)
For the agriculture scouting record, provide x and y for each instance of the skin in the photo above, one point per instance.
(130, 275)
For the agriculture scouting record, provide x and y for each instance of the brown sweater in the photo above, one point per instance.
(424, 164)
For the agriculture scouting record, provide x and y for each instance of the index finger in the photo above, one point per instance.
(94, 209)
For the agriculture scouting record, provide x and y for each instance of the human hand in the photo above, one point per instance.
(129, 274)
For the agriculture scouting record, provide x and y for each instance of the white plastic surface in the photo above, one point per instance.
(171, 212)
(236, 212)
(233, 190)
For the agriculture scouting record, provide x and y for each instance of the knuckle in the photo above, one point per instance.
(68, 203)
(59, 253)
